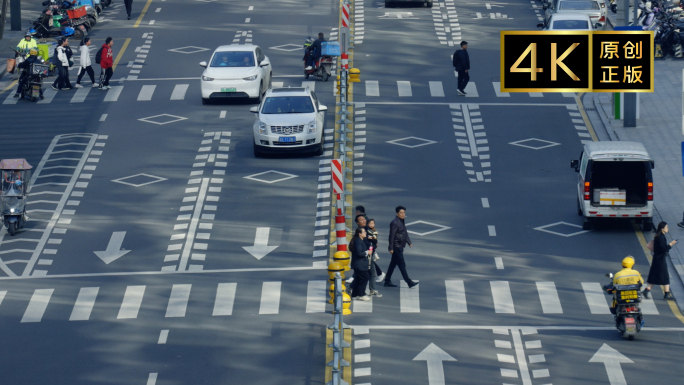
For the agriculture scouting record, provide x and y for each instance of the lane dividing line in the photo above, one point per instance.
(123, 49)
(137, 23)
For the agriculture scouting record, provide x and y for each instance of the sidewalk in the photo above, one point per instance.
(660, 130)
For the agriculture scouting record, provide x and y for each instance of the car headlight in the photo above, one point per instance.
(312, 126)
(250, 78)
(11, 210)
(262, 128)
(206, 78)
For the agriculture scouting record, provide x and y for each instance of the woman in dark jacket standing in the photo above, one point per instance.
(359, 262)
(658, 275)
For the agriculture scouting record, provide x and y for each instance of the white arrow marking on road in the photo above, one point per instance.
(612, 359)
(434, 357)
(114, 250)
(261, 247)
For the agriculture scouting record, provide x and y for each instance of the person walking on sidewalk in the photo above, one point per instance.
(359, 263)
(658, 275)
(62, 66)
(398, 239)
(461, 63)
(129, 5)
(85, 64)
(106, 63)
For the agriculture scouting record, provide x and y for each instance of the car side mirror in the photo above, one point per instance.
(574, 164)
(254, 109)
(652, 164)
(264, 63)
(203, 64)
(540, 25)
(322, 108)
(598, 25)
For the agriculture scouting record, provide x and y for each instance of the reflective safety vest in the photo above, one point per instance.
(25, 46)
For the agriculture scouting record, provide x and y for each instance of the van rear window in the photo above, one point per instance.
(578, 5)
(629, 176)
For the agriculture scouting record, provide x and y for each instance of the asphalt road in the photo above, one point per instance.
(508, 280)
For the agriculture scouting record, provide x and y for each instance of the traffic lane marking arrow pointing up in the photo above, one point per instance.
(612, 359)
(260, 248)
(434, 357)
(114, 250)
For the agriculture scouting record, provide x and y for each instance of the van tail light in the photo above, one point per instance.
(650, 191)
(587, 187)
(603, 18)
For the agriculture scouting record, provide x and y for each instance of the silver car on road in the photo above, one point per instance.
(592, 8)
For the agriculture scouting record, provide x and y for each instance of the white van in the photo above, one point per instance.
(615, 181)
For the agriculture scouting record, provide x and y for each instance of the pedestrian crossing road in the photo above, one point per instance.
(275, 297)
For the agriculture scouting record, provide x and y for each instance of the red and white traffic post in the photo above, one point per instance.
(337, 167)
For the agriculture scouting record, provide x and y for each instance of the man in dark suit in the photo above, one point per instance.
(461, 63)
(398, 239)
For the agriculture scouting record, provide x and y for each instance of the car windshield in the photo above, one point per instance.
(578, 5)
(287, 105)
(233, 59)
(570, 24)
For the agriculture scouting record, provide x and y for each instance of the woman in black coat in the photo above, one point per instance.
(658, 275)
(359, 262)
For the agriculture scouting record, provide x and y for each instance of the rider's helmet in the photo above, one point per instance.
(628, 262)
(27, 34)
(33, 52)
(309, 41)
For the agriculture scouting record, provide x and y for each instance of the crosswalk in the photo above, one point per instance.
(405, 88)
(271, 301)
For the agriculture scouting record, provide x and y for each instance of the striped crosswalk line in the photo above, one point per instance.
(404, 88)
(648, 307)
(277, 84)
(37, 305)
(179, 91)
(536, 95)
(409, 298)
(48, 95)
(84, 304)
(146, 92)
(270, 298)
(113, 94)
(372, 88)
(178, 301)
(497, 89)
(225, 298)
(548, 296)
(455, 295)
(131, 302)
(503, 300)
(471, 90)
(80, 95)
(316, 294)
(436, 89)
(595, 298)
(10, 99)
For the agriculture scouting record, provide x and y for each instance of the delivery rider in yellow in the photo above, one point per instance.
(27, 44)
(626, 276)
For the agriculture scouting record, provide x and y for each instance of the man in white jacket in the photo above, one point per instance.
(85, 64)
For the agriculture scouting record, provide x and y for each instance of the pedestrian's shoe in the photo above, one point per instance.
(66, 88)
(413, 284)
(41, 98)
(389, 284)
(380, 278)
(95, 85)
(464, 93)
(669, 296)
(460, 93)
(107, 87)
(129, 17)
(363, 298)
(350, 280)
(680, 224)
(55, 88)
(308, 68)
(375, 293)
(646, 293)
(17, 95)
(78, 85)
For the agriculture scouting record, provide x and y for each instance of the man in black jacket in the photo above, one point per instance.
(315, 51)
(398, 238)
(462, 65)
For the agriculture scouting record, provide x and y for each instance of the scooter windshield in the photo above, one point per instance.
(12, 183)
(12, 205)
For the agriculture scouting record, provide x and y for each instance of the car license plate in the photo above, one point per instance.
(287, 139)
(228, 90)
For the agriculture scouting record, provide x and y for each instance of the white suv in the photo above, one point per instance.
(289, 119)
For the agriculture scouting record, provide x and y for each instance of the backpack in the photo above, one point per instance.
(98, 56)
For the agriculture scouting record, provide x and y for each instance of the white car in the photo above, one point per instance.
(236, 71)
(289, 119)
(569, 22)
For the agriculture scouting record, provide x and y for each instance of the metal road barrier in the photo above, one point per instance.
(337, 327)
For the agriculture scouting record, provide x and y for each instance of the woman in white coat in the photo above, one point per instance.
(85, 63)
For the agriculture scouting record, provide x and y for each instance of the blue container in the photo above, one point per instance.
(330, 48)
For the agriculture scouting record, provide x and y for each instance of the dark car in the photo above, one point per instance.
(426, 3)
